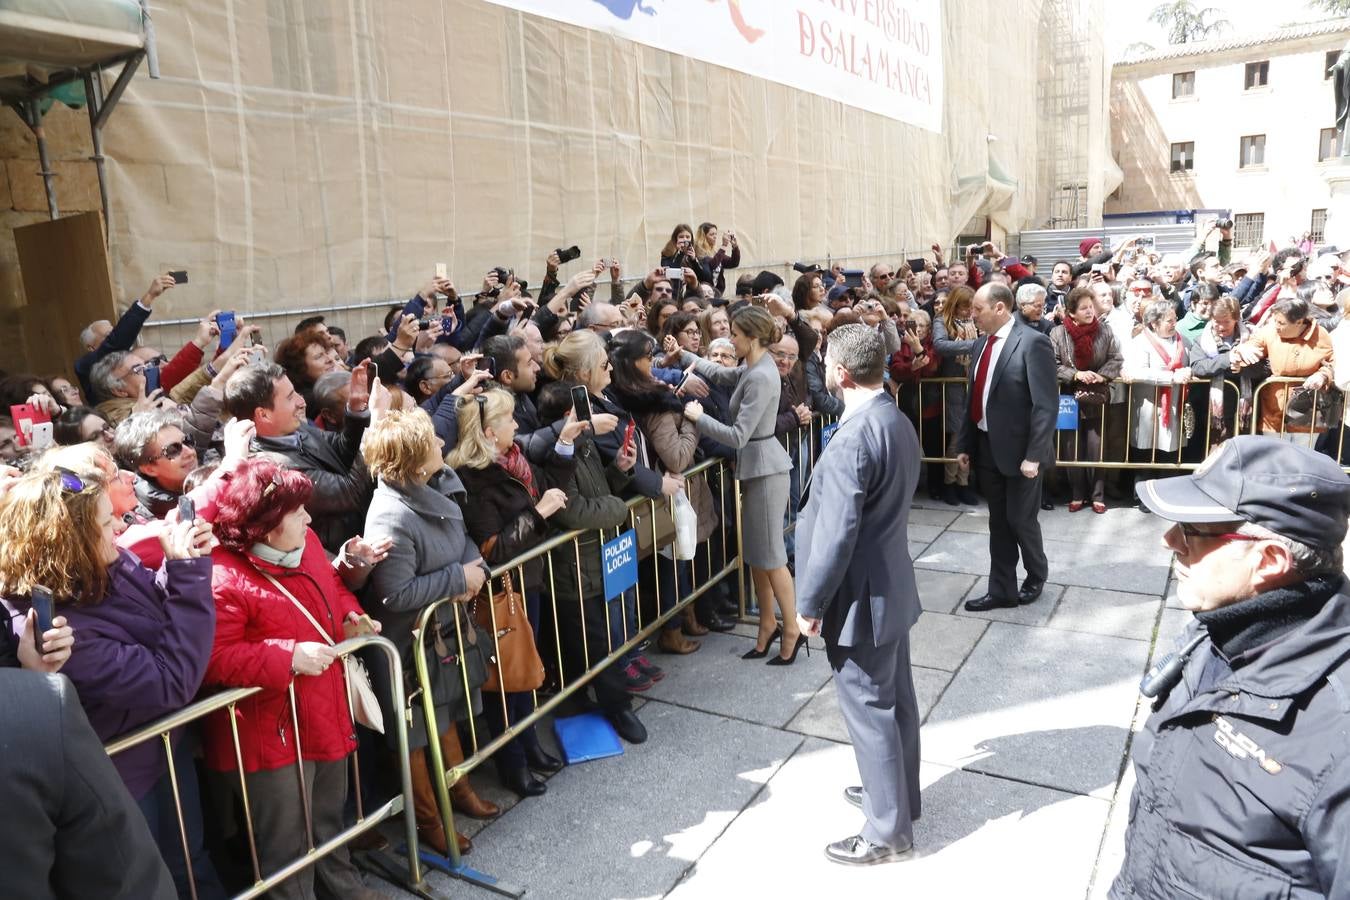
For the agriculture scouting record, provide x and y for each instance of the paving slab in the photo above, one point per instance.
(940, 641)
(923, 534)
(1107, 612)
(942, 591)
(715, 679)
(630, 825)
(1116, 526)
(978, 835)
(821, 717)
(1127, 567)
(1040, 705)
(1037, 612)
(939, 517)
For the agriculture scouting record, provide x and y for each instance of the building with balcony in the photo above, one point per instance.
(1243, 123)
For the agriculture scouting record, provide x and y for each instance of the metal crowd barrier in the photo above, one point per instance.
(365, 821)
(560, 563)
(1117, 421)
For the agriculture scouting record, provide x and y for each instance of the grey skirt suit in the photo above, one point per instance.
(762, 465)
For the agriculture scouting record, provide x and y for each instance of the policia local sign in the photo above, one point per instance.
(884, 56)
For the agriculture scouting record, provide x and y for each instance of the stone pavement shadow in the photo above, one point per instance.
(964, 800)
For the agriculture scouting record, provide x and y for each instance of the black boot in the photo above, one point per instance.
(520, 782)
(541, 760)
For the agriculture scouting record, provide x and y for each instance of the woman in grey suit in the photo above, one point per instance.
(762, 467)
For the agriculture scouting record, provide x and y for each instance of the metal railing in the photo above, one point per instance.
(572, 555)
(226, 701)
(1120, 442)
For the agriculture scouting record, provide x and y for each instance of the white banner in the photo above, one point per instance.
(884, 56)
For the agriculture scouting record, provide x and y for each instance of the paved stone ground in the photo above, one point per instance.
(1028, 719)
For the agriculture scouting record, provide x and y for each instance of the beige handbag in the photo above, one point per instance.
(365, 705)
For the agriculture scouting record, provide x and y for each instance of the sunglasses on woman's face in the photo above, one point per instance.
(174, 450)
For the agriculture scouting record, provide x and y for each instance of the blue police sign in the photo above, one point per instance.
(826, 433)
(621, 565)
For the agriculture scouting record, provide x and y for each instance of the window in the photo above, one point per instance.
(1257, 74)
(1183, 157)
(1252, 151)
(1328, 147)
(1183, 85)
(1248, 229)
(1332, 56)
(1319, 226)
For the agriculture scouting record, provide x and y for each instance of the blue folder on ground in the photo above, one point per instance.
(586, 737)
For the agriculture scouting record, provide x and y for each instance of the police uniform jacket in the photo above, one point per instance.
(1244, 774)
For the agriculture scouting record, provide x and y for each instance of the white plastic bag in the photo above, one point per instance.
(686, 527)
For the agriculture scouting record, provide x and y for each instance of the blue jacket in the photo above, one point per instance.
(141, 653)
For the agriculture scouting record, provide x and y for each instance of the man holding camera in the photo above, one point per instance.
(1243, 768)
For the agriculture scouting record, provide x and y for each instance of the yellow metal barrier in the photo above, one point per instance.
(643, 508)
(226, 700)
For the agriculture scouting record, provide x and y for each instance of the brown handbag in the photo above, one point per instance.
(519, 666)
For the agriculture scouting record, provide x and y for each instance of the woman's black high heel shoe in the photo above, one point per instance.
(760, 654)
(801, 642)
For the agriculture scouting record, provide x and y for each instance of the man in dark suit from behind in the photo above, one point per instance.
(1008, 434)
(855, 587)
(75, 831)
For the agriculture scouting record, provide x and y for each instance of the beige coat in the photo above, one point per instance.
(673, 440)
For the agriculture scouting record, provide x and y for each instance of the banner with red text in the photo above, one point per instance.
(884, 56)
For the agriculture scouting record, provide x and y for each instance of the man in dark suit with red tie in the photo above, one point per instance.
(1009, 435)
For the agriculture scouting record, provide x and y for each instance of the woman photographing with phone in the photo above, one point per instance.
(762, 467)
(143, 642)
(514, 504)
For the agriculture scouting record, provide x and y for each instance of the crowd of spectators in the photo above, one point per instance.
(340, 489)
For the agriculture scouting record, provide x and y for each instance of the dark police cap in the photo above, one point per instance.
(1293, 491)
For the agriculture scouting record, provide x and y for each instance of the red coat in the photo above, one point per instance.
(257, 628)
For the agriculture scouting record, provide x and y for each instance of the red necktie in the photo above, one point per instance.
(981, 376)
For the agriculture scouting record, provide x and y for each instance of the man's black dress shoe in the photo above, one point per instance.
(854, 795)
(985, 602)
(626, 723)
(1031, 591)
(1047, 506)
(858, 851)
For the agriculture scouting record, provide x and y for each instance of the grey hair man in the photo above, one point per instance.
(117, 381)
(330, 398)
(1244, 771)
(860, 595)
(600, 316)
(100, 338)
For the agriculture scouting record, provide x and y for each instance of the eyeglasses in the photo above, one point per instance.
(663, 290)
(1189, 531)
(1141, 290)
(691, 330)
(784, 357)
(174, 450)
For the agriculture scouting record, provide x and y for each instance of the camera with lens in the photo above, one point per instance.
(571, 253)
(1225, 224)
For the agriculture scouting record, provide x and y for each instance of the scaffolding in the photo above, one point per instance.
(1063, 97)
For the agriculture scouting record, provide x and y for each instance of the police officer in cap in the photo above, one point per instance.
(1244, 766)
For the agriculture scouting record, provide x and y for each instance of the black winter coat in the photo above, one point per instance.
(500, 506)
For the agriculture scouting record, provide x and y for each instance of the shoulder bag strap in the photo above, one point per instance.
(300, 606)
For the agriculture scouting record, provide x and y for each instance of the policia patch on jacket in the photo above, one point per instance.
(1239, 746)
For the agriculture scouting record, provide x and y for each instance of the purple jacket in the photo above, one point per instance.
(141, 653)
